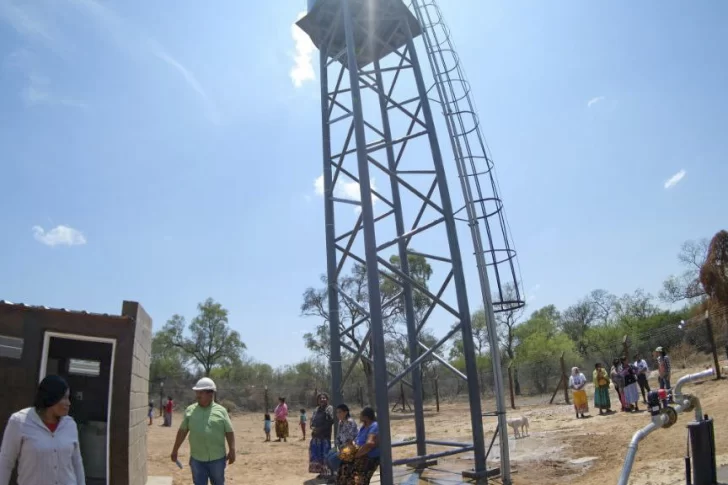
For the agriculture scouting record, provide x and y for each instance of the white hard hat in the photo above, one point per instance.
(205, 384)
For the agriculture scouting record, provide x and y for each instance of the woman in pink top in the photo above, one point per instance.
(281, 414)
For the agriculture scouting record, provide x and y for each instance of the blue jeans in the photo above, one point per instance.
(664, 382)
(214, 470)
(332, 459)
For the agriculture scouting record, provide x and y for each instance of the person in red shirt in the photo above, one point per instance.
(168, 408)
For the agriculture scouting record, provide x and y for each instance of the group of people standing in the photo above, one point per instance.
(167, 410)
(354, 457)
(628, 378)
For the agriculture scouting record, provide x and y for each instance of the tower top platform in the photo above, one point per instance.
(380, 28)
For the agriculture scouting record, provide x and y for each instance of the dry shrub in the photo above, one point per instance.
(231, 407)
(684, 354)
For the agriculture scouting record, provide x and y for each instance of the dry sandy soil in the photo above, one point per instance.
(560, 449)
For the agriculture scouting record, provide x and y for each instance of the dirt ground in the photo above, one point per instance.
(560, 448)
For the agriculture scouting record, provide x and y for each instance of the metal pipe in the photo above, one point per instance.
(661, 420)
(432, 456)
(676, 392)
(444, 362)
(657, 423)
(448, 443)
(685, 403)
(399, 444)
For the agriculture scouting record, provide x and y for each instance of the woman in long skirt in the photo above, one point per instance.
(601, 389)
(281, 414)
(322, 424)
(631, 388)
(577, 382)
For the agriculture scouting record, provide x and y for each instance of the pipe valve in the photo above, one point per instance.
(653, 403)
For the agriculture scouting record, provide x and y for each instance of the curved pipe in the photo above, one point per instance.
(661, 420)
(681, 401)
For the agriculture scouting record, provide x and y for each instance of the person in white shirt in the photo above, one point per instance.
(43, 440)
(642, 370)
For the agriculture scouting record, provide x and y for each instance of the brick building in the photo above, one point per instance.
(105, 359)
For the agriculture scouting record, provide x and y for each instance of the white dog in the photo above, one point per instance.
(518, 425)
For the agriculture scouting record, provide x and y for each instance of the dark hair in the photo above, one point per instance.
(303, 411)
(615, 362)
(344, 408)
(267, 417)
(368, 413)
(50, 392)
(597, 365)
(282, 399)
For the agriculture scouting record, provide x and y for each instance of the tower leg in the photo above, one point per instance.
(476, 410)
(333, 295)
(412, 333)
(370, 251)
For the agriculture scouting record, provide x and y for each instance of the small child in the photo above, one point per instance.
(266, 427)
(303, 424)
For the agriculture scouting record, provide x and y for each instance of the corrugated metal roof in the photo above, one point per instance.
(64, 310)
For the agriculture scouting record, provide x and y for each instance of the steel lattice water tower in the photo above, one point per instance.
(381, 158)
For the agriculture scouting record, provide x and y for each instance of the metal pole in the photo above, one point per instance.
(409, 307)
(457, 264)
(333, 294)
(713, 347)
(370, 250)
(478, 247)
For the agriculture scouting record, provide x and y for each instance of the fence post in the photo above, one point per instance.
(510, 386)
(565, 379)
(437, 394)
(553, 396)
(713, 347)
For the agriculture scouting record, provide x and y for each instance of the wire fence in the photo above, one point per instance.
(688, 344)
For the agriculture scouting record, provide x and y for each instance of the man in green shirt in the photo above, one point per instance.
(209, 426)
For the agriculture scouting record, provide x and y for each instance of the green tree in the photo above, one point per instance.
(168, 362)
(208, 341)
(605, 342)
(540, 344)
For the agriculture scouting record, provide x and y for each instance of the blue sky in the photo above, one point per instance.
(163, 153)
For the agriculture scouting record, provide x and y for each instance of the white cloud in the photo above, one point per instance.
(344, 190)
(59, 236)
(318, 185)
(27, 20)
(675, 179)
(594, 101)
(190, 79)
(302, 69)
(132, 41)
